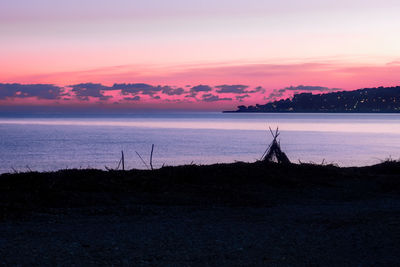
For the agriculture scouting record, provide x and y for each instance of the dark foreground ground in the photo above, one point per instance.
(241, 214)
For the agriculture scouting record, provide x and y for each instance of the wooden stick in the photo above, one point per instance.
(271, 132)
(123, 160)
(142, 160)
(119, 164)
(151, 156)
(266, 151)
(108, 169)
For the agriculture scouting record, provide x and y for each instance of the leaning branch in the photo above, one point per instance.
(142, 160)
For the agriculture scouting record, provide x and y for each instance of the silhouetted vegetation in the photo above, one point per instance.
(240, 214)
(239, 184)
(381, 99)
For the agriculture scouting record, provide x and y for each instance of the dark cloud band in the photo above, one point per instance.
(41, 91)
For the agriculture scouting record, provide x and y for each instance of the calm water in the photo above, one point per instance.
(50, 143)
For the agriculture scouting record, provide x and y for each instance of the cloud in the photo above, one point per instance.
(276, 94)
(171, 91)
(41, 91)
(213, 98)
(235, 89)
(309, 88)
(142, 91)
(241, 97)
(135, 98)
(192, 94)
(136, 88)
(85, 90)
(200, 88)
(291, 90)
(146, 89)
(258, 89)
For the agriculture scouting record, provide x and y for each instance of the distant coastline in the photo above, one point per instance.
(367, 100)
(316, 112)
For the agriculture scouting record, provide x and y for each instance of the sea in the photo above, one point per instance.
(53, 142)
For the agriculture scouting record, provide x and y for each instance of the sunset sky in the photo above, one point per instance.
(180, 54)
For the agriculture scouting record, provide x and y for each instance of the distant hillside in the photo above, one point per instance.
(381, 99)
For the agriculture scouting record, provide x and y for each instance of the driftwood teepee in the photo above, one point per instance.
(274, 152)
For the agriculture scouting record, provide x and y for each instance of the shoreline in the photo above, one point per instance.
(314, 112)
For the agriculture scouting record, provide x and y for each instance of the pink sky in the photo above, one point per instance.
(181, 44)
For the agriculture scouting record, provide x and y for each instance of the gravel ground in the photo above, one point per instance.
(357, 233)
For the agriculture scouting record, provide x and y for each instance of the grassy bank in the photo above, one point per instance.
(236, 184)
(239, 214)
